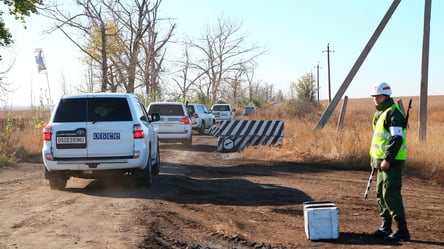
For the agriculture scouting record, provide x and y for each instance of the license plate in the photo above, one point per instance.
(71, 140)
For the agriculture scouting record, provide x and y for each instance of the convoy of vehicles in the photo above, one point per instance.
(99, 135)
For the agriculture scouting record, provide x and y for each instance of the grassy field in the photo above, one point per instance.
(21, 137)
(348, 147)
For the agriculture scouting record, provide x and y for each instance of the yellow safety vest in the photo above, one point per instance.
(381, 135)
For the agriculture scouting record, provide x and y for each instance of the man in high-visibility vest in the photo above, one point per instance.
(388, 155)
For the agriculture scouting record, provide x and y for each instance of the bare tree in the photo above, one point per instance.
(124, 38)
(250, 87)
(85, 19)
(131, 19)
(223, 52)
(154, 49)
(188, 76)
(184, 83)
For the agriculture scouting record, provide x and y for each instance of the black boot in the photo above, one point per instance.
(401, 234)
(384, 230)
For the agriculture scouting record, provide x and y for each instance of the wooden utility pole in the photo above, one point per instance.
(326, 115)
(317, 80)
(424, 72)
(328, 68)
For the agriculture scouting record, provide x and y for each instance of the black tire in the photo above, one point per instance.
(188, 142)
(156, 167)
(202, 128)
(57, 181)
(146, 178)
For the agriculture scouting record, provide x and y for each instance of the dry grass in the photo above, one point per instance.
(349, 146)
(21, 133)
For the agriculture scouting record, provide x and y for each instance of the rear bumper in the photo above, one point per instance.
(174, 137)
(95, 174)
(94, 164)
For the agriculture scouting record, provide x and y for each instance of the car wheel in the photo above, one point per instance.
(202, 128)
(146, 177)
(188, 142)
(57, 181)
(156, 168)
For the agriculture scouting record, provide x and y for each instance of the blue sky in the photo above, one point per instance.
(296, 32)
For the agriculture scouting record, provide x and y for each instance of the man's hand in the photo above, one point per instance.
(385, 165)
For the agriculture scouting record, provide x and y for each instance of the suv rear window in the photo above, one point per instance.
(167, 110)
(221, 108)
(92, 110)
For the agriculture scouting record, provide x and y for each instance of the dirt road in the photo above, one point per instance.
(205, 199)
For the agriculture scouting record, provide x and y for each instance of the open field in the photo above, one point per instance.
(349, 146)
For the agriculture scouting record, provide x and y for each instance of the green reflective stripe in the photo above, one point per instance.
(381, 135)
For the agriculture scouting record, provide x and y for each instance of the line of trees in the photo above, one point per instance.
(125, 45)
(125, 49)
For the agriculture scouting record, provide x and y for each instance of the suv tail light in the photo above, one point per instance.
(185, 120)
(47, 133)
(137, 131)
(196, 115)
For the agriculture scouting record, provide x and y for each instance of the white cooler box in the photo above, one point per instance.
(321, 220)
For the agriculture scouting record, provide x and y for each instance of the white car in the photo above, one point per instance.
(98, 135)
(201, 118)
(223, 112)
(249, 110)
(174, 124)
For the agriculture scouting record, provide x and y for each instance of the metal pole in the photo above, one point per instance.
(49, 89)
(357, 64)
(317, 80)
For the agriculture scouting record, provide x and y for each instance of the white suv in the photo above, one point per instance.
(201, 118)
(98, 135)
(174, 124)
(223, 112)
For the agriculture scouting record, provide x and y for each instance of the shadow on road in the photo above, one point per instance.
(346, 238)
(202, 185)
(182, 189)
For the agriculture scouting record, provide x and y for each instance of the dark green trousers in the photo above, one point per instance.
(388, 190)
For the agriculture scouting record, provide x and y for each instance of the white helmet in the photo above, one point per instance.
(381, 89)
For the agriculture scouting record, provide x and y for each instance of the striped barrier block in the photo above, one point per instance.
(237, 134)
